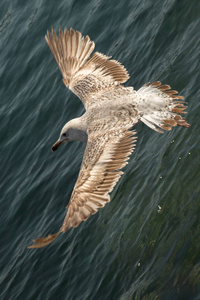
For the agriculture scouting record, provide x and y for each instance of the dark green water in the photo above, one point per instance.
(130, 249)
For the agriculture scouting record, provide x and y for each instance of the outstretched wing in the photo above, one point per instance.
(85, 75)
(100, 171)
(104, 156)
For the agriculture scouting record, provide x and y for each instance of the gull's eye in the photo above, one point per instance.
(64, 134)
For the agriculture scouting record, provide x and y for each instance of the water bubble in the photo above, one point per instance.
(159, 209)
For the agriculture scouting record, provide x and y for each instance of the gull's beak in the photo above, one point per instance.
(56, 145)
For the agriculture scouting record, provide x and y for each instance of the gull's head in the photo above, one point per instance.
(64, 137)
(72, 131)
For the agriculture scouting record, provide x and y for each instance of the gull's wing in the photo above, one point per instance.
(85, 75)
(104, 156)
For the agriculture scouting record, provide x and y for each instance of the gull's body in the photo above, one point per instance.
(111, 112)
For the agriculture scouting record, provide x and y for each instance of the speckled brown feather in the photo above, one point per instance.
(111, 111)
(83, 74)
(103, 157)
(167, 114)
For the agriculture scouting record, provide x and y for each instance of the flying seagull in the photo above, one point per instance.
(112, 110)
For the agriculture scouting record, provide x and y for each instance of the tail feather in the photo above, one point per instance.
(160, 107)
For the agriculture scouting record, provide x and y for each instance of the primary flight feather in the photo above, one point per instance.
(112, 110)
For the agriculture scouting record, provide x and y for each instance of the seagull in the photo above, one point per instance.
(111, 112)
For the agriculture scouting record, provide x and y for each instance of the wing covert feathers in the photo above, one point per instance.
(99, 173)
(109, 145)
(82, 73)
(160, 107)
(111, 68)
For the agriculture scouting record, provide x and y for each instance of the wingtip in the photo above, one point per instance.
(71, 31)
(60, 32)
(45, 241)
(53, 32)
(47, 36)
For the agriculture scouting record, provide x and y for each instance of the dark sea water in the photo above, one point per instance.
(145, 244)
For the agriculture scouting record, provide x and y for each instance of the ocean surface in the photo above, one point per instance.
(145, 244)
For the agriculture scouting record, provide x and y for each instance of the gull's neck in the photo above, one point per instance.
(77, 129)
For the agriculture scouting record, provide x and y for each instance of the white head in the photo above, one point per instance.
(72, 131)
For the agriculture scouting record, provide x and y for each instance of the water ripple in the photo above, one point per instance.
(145, 243)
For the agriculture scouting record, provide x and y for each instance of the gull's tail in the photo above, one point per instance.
(159, 107)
